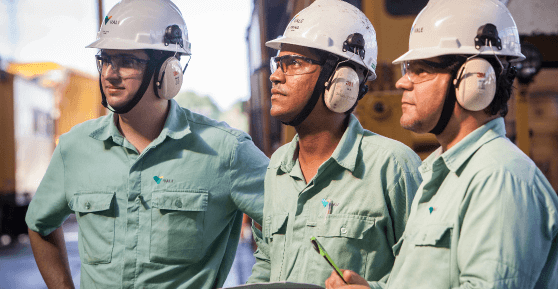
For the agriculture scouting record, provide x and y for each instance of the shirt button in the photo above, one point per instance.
(87, 205)
(178, 203)
(343, 231)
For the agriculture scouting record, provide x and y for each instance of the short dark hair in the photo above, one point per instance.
(160, 54)
(504, 82)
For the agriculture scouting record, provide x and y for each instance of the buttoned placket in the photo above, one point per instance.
(133, 211)
(295, 224)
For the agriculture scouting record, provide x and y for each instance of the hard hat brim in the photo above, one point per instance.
(124, 44)
(415, 54)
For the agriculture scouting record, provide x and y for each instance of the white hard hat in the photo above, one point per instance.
(446, 27)
(144, 24)
(326, 25)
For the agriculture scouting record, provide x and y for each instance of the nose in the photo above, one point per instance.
(278, 76)
(404, 83)
(109, 72)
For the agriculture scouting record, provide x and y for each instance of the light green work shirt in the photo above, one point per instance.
(370, 181)
(169, 217)
(484, 217)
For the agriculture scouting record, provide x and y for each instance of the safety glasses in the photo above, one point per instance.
(418, 71)
(294, 64)
(124, 65)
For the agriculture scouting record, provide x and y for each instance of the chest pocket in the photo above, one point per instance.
(343, 237)
(177, 226)
(275, 228)
(276, 225)
(96, 217)
(433, 236)
(432, 244)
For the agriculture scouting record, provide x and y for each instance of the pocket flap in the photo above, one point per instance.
(431, 235)
(180, 201)
(349, 226)
(91, 202)
(397, 247)
(278, 222)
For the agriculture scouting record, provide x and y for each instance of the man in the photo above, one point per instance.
(346, 186)
(157, 190)
(484, 216)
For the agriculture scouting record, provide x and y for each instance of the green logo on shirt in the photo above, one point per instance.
(158, 179)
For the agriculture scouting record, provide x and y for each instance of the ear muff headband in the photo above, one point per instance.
(169, 78)
(151, 65)
(319, 89)
(475, 84)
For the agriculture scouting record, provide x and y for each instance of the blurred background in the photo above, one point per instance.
(49, 83)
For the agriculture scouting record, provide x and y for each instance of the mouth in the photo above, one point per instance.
(114, 89)
(276, 92)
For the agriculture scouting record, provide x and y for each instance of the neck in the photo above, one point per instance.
(318, 138)
(461, 124)
(143, 123)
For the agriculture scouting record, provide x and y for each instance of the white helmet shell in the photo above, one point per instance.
(325, 25)
(141, 24)
(446, 27)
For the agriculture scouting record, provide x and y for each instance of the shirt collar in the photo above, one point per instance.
(457, 156)
(176, 126)
(345, 154)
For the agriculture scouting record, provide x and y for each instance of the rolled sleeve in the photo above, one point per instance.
(49, 207)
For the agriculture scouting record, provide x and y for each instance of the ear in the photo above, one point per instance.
(475, 84)
(169, 78)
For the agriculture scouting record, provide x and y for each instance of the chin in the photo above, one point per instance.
(413, 126)
(280, 115)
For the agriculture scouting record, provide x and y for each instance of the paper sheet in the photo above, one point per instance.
(277, 285)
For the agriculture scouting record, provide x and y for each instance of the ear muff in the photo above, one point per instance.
(169, 78)
(343, 90)
(475, 84)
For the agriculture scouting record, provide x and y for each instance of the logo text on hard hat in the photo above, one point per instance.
(418, 30)
(107, 20)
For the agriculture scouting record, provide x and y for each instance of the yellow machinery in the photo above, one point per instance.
(533, 118)
(40, 101)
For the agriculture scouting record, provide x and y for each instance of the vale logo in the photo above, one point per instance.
(107, 20)
(158, 179)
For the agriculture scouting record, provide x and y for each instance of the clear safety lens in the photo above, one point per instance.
(294, 64)
(418, 71)
(124, 65)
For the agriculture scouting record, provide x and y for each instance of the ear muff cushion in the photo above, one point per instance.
(169, 78)
(475, 85)
(343, 90)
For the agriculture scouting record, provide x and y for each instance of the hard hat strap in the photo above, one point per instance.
(447, 109)
(319, 88)
(151, 65)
